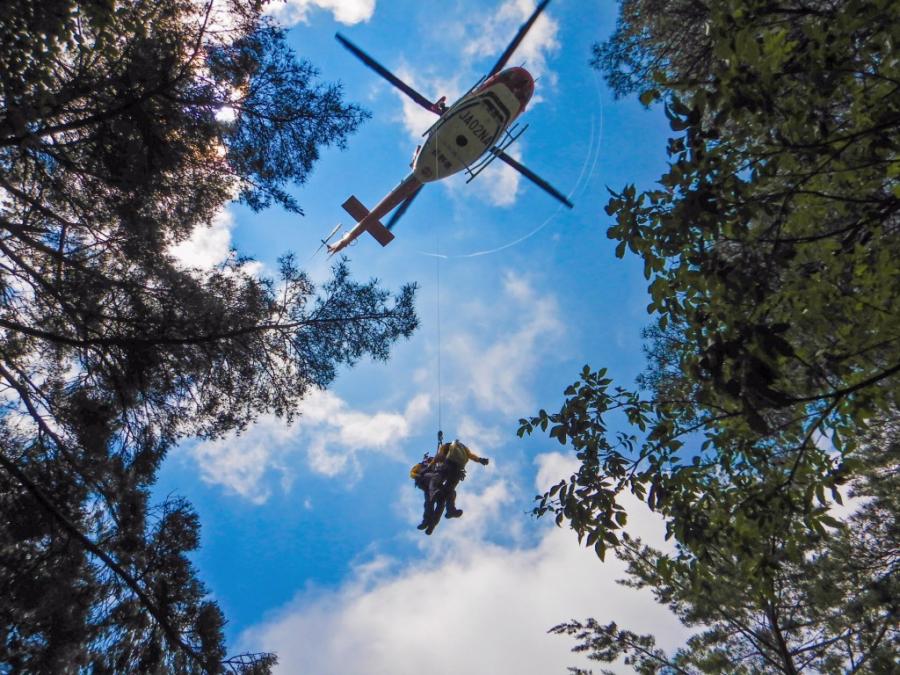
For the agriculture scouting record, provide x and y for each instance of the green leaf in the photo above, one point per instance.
(649, 96)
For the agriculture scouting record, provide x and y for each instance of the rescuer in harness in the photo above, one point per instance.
(422, 474)
(438, 478)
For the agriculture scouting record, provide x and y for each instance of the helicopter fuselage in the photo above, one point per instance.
(472, 125)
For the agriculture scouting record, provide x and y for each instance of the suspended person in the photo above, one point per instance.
(445, 472)
(422, 473)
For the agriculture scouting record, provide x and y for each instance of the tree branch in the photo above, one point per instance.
(123, 341)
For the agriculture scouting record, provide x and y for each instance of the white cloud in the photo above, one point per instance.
(331, 433)
(499, 184)
(217, 16)
(553, 467)
(340, 433)
(497, 373)
(480, 438)
(207, 246)
(349, 12)
(487, 499)
(469, 606)
(415, 118)
(499, 28)
(242, 463)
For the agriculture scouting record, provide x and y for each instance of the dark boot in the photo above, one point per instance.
(436, 513)
(427, 514)
(452, 511)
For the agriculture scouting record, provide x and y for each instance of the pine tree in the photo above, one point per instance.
(124, 126)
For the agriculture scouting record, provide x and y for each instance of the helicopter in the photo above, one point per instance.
(467, 136)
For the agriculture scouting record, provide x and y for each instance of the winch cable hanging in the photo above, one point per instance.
(438, 294)
(437, 236)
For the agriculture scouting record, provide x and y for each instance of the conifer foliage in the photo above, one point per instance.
(123, 127)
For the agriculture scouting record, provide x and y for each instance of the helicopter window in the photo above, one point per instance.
(492, 109)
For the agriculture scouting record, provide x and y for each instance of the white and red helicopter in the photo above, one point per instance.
(468, 135)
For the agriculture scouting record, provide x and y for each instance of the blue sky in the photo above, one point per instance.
(309, 540)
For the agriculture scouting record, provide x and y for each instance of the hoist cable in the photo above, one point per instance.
(438, 274)
(437, 236)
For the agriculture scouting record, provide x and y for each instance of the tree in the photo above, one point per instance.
(831, 609)
(772, 236)
(123, 127)
(655, 39)
(771, 578)
(770, 246)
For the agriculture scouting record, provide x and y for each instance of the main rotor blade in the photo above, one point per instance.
(518, 38)
(402, 208)
(385, 73)
(532, 176)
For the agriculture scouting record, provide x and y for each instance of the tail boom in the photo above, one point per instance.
(363, 216)
(369, 221)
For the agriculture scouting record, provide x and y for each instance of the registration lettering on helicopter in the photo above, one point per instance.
(476, 127)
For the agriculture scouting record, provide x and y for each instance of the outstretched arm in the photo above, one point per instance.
(475, 458)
